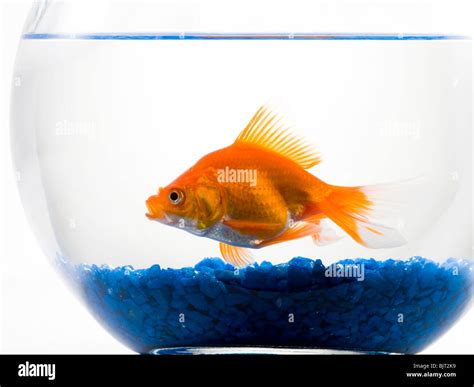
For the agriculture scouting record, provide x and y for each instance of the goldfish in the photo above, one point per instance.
(258, 192)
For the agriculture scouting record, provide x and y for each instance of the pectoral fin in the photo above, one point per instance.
(237, 256)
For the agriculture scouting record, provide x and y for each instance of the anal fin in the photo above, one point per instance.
(237, 256)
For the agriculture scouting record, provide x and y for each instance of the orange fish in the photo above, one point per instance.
(257, 192)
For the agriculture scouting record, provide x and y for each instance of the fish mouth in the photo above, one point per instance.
(154, 211)
(164, 218)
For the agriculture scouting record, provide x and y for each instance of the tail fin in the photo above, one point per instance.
(356, 212)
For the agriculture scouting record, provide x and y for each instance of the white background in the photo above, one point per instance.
(38, 313)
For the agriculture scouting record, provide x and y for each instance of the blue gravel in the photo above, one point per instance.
(399, 306)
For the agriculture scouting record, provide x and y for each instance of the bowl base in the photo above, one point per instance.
(252, 351)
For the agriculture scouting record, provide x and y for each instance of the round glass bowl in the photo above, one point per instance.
(104, 112)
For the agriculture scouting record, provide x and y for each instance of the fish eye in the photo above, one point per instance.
(176, 197)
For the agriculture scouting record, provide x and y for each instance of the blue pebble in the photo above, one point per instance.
(210, 263)
(253, 278)
(437, 296)
(236, 299)
(221, 306)
(425, 302)
(210, 287)
(189, 283)
(225, 275)
(198, 300)
(299, 272)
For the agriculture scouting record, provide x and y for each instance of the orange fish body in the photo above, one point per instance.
(258, 192)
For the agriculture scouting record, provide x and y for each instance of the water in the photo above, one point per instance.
(100, 121)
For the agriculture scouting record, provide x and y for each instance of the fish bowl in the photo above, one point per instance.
(210, 177)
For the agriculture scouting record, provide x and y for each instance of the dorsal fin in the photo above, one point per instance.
(266, 130)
